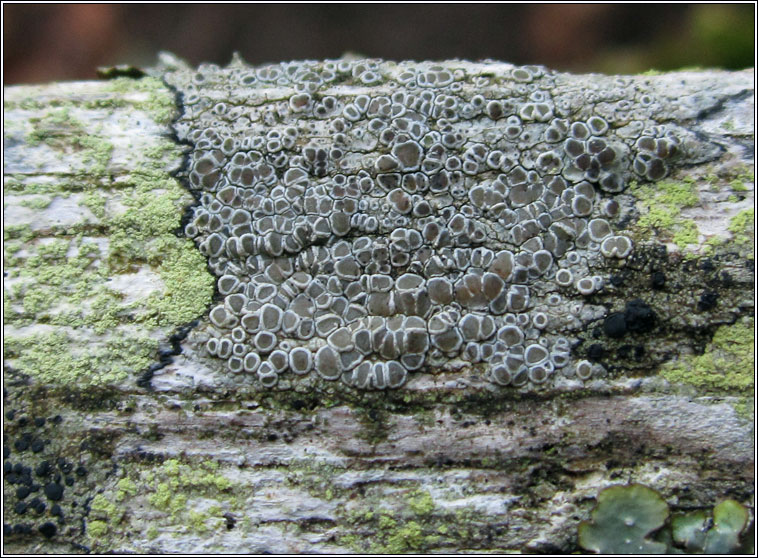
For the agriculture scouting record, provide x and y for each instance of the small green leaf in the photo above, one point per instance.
(623, 518)
(689, 530)
(729, 520)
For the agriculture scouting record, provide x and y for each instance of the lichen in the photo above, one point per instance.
(152, 533)
(408, 521)
(159, 101)
(686, 234)
(126, 488)
(365, 237)
(178, 481)
(174, 493)
(54, 128)
(661, 206)
(37, 203)
(93, 333)
(741, 227)
(48, 357)
(726, 365)
(421, 503)
(105, 510)
(97, 529)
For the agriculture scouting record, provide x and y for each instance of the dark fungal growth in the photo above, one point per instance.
(440, 217)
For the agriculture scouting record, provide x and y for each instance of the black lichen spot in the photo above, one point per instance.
(20, 508)
(625, 351)
(39, 422)
(658, 280)
(617, 280)
(298, 404)
(639, 353)
(54, 491)
(21, 529)
(639, 317)
(22, 492)
(707, 265)
(48, 529)
(707, 301)
(38, 505)
(595, 352)
(38, 446)
(614, 325)
(81, 471)
(21, 445)
(56, 510)
(43, 469)
(57, 419)
(10, 415)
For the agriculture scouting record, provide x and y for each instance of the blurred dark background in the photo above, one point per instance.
(69, 41)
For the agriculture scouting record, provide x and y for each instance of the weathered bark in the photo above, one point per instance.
(183, 456)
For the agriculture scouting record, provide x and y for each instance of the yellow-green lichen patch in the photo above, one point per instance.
(155, 97)
(176, 481)
(97, 529)
(661, 205)
(147, 94)
(102, 508)
(96, 276)
(58, 357)
(408, 521)
(176, 488)
(742, 228)
(62, 132)
(421, 503)
(176, 496)
(727, 365)
(37, 202)
(54, 128)
(125, 488)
